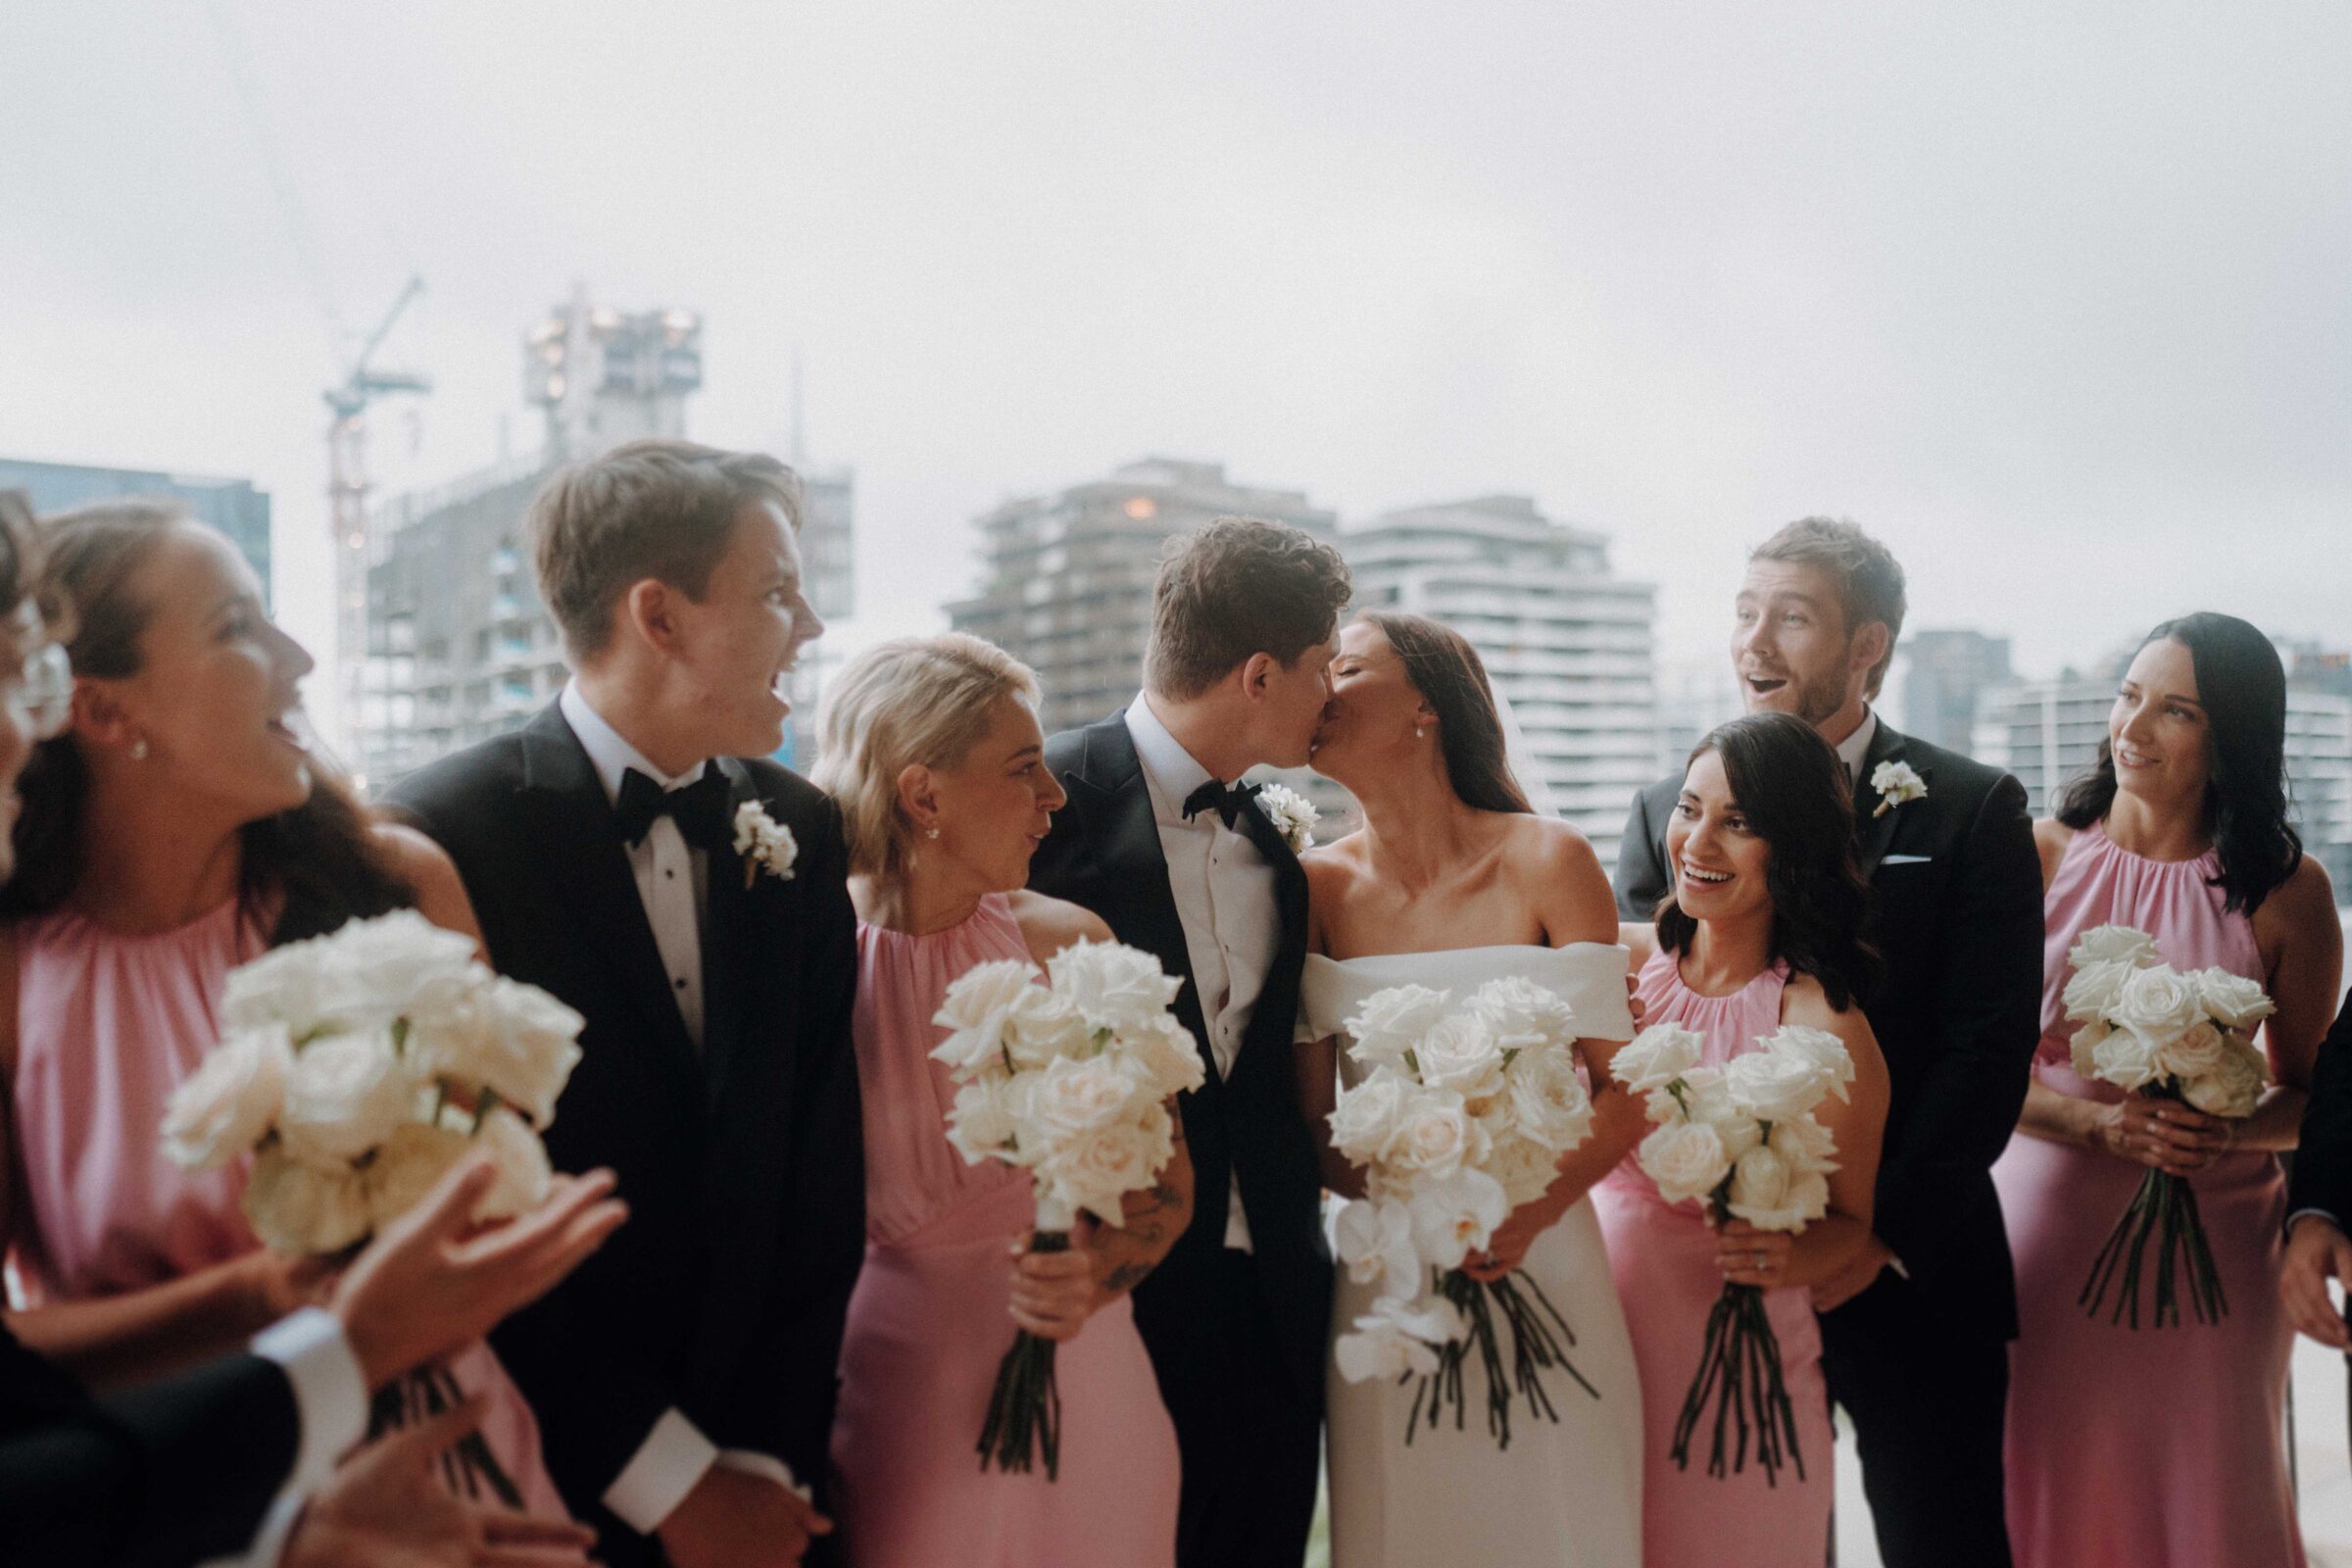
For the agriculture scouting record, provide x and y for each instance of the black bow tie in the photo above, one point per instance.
(1226, 802)
(699, 807)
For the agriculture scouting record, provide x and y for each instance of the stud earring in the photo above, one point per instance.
(932, 833)
(1419, 733)
(138, 750)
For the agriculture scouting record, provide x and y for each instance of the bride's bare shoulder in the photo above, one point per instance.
(1562, 879)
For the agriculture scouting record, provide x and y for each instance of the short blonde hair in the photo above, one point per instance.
(913, 701)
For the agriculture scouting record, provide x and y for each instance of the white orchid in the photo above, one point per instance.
(1897, 784)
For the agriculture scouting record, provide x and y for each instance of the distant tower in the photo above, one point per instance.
(604, 377)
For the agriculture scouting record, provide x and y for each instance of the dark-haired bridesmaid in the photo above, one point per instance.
(2155, 1447)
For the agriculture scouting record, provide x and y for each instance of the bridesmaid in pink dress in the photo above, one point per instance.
(165, 837)
(1765, 801)
(2153, 1447)
(933, 748)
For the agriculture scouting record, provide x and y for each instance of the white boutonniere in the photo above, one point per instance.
(1292, 815)
(1897, 784)
(766, 844)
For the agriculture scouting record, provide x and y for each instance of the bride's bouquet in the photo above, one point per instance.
(2151, 1030)
(1461, 1117)
(1742, 1139)
(357, 1068)
(1070, 1081)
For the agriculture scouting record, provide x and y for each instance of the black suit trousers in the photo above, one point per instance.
(1929, 1397)
(1250, 1438)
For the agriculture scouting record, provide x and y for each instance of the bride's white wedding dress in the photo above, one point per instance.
(1561, 1494)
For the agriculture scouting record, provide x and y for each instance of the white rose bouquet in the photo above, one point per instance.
(1462, 1116)
(1070, 1081)
(2152, 1030)
(355, 1068)
(1742, 1140)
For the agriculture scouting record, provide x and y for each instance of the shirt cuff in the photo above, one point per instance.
(751, 1463)
(674, 1457)
(331, 1392)
(2304, 1213)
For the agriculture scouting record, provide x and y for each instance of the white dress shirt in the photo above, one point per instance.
(1224, 893)
(1854, 750)
(672, 878)
(330, 1412)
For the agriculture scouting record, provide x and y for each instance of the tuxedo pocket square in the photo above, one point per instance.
(1905, 860)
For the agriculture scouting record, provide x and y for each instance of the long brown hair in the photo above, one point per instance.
(315, 866)
(1451, 678)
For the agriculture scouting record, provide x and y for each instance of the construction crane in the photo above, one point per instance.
(347, 515)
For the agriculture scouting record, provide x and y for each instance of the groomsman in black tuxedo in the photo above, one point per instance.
(1915, 1335)
(1158, 840)
(684, 1379)
(2319, 1195)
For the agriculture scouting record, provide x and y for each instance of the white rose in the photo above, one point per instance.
(974, 1010)
(230, 1100)
(1165, 1054)
(2159, 1002)
(1112, 984)
(305, 1210)
(2083, 1049)
(1459, 1054)
(1391, 1022)
(1772, 1085)
(1705, 1098)
(410, 1161)
(2093, 990)
(982, 1124)
(1041, 1027)
(1522, 1015)
(1525, 1169)
(1375, 1240)
(1760, 1182)
(1548, 1101)
(380, 968)
(286, 986)
(2234, 1088)
(2196, 1051)
(1396, 1336)
(1805, 1144)
(1074, 1098)
(513, 1039)
(1455, 1215)
(2234, 1001)
(1656, 1057)
(344, 1096)
(2128, 1057)
(1684, 1158)
(522, 1168)
(2114, 944)
(1435, 1136)
(1096, 1171)
(1819, 1047)
(1363, 1121)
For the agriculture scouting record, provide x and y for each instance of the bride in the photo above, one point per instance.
(1453, 880)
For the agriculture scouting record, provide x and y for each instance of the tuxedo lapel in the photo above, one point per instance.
(728, 908)
(580, 851)
(1874, 828)
(1275, 1013)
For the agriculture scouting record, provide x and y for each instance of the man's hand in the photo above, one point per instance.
(387, 1507)
(1853, 1278)
(734, 1519)
(433, 1282)
(2315, 1249)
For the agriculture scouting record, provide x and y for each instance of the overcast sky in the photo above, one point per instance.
(2057, 299)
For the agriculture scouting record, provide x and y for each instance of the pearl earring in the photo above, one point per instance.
(1419, 733)
(138, 750)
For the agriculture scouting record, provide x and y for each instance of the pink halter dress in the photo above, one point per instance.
(2142, 1447)
(108, 1025)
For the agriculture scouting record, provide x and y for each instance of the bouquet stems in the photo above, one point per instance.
(1540, 1340)
(468, 1467)
(2166, 1208)
(1739, 1375)
(1024, 1412)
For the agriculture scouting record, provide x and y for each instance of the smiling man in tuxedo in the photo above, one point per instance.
(1158, 840)
(1915, 1334)
(684, 1379)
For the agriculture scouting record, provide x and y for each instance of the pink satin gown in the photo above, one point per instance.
(930, 1320)
(108, 1026)
(1664, 1259)
(2142, 1447)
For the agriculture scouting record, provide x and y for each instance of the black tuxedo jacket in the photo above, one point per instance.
(170, 1474)
(2321, 1174)
(1957, 916)
(741, 1163)
(1104, 854)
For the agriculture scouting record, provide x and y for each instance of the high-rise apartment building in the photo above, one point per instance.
(233, 506)
(1568, 641)
(1944, 675)
(1068, 577)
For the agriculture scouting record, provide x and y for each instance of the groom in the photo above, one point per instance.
(684, 1378)
(1157, 840)
(1915, 1334)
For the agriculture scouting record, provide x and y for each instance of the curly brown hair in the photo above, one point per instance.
(1237, 587)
